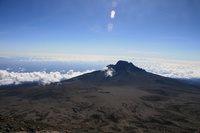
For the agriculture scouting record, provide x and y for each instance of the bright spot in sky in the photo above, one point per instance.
(114, 4)
(110, 27)
(112, 14)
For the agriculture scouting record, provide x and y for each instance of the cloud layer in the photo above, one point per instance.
(172, 68)
(7, 78)
(167, 68)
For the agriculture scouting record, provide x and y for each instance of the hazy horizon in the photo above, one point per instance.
(49, 69)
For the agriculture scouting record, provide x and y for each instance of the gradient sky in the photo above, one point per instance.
(168, 29)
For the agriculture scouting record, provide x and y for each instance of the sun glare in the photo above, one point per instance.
(112, 14)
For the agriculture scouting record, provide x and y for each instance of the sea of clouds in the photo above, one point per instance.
(172, 68)
(167, 68)
(7, 78)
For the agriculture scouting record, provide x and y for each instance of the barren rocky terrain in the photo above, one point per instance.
(129, 101)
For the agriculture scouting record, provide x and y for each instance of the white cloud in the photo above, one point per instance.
(167, 68)
(8, 69)
(21, 69)
(171, 68)
(108, 71)
(7, 78)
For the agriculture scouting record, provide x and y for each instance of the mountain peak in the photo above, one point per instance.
(124, 65)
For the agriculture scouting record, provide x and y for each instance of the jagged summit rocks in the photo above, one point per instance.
(122, 68)
(124, 65)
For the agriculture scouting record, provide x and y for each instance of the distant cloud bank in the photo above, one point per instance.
(7, 78)
(167, 68)
(173, 69)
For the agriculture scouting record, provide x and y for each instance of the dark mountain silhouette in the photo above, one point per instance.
(125, 66)
(120, 98)
(125, 73)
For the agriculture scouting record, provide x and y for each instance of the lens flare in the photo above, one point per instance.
(112, 14)
(114, 4)
(110, 27)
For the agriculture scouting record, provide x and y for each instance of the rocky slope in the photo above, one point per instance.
(121, 98)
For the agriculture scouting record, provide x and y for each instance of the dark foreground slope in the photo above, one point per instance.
(121, 98)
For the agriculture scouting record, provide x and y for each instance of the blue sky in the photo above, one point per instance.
(164, 29)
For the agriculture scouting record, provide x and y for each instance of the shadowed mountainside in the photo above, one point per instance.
(120, 98)
(124, 73)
